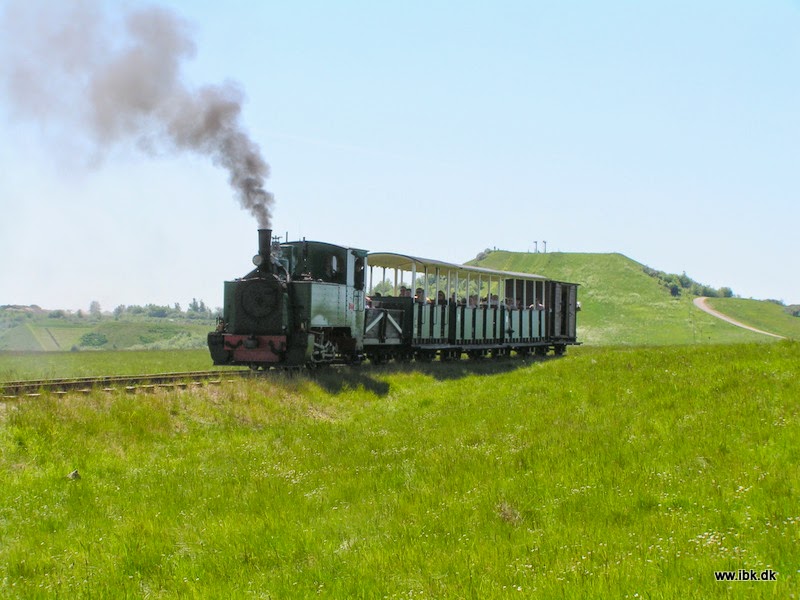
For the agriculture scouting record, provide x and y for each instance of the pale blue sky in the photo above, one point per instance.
(667, 131)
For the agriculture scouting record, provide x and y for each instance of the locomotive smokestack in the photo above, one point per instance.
(265, 246)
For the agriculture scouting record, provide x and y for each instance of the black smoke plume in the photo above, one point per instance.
(100, 82)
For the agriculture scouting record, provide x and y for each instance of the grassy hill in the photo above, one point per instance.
(766, 316)
(621, 304)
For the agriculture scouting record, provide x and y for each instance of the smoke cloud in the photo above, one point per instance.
(101, 82)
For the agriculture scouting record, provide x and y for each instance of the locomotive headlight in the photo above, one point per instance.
(258, 260)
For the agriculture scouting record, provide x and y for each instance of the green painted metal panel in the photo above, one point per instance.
(431, 323)
(229, 301)
(322, 304)
(525, 323)
(513, 327)
(480, 324)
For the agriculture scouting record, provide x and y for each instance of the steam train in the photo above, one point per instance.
(306, 304)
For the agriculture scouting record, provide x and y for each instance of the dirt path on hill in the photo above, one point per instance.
(702, 305)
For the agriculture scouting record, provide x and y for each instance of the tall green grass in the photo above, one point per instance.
(605, 474)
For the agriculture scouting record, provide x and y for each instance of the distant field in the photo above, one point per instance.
(608, 473)
(40, 333)
(60, 337)
(46, 365)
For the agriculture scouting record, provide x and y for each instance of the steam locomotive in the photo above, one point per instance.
(306, 303)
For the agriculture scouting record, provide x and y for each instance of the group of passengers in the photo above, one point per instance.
(492, 301)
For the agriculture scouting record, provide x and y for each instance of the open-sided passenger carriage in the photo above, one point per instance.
(484, 311)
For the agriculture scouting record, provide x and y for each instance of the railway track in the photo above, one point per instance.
(130, 383)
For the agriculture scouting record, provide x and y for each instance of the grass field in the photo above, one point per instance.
(49, 365)
(609, 473)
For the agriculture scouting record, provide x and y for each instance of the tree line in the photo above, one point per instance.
(678, 284)
(197, 309)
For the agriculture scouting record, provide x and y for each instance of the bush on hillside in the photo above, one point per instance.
(677, 284)
(93, 339)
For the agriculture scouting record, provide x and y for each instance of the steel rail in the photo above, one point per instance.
(35, 387)
(10, 390)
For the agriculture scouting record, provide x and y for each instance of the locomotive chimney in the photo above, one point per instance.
(265, 247)
(264, 242)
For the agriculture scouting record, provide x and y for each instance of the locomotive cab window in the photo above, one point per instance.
(332, 267)
(358, 280)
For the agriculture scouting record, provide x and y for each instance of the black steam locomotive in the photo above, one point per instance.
(306, 303)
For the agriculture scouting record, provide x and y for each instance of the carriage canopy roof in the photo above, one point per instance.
(403, 262)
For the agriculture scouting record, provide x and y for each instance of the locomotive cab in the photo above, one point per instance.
(327, 299)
